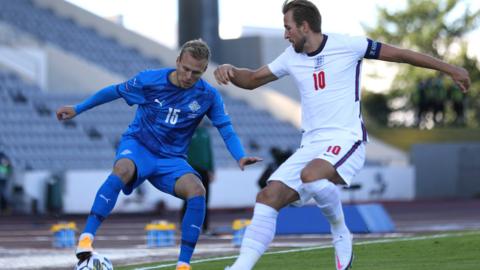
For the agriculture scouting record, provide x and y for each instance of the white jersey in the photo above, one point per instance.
(329, 84)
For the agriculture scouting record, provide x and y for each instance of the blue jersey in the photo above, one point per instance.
(167, 115)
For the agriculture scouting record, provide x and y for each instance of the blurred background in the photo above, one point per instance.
(424, 133)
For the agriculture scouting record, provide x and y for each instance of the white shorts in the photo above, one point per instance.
(346, 156)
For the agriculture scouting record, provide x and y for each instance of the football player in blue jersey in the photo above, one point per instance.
(171, 103)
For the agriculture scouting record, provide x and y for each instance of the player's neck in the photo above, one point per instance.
(174, 79)
(313, 43)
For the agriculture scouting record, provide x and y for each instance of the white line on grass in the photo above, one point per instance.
(317, 247)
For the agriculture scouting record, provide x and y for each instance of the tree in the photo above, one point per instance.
(434, 27)
(376, 108)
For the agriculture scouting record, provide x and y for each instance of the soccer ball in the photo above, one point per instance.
(95, 262)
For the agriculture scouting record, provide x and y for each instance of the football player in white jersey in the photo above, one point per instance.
(326, 69)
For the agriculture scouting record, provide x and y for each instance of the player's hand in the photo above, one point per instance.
(461, 78)
(248, 161)
(224, 73)
(66, 113)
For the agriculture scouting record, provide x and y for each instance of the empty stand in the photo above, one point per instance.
(84, 42)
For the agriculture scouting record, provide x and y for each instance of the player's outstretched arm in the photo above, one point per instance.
(105, 95)
(248, 161)
(458, 74)
(243, 77)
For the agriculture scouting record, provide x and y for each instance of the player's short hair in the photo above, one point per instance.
(304, 10)
(197, 48)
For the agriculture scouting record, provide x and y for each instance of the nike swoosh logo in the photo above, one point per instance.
(339, 265)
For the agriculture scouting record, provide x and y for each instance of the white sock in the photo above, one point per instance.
(182, 263)
(84, 235)
(257, 238)
(327, 196)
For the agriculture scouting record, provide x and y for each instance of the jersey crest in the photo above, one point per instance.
(319, 60)
(194, 106)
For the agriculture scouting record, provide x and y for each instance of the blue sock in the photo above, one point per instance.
(104, 202)
(191, 227)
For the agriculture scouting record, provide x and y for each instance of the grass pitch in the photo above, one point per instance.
(454, 251)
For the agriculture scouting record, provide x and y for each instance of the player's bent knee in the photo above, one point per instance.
(277, 195)
(190, 189)
(125, 169)
(317, 169)
(197, 190)
(268, 197)
(308, 175)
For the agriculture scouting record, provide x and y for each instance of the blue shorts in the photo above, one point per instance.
(162, 172)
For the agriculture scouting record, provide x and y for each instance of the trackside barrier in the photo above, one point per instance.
(360, 218)
(239, 226)
(160, 234)
(64, 234)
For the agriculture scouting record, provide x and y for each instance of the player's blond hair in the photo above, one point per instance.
(197, 48)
